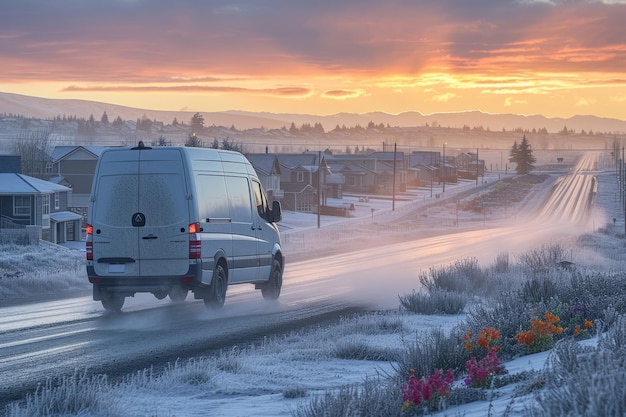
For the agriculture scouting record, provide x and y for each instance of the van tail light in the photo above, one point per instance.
(195, 244)
(89, 243)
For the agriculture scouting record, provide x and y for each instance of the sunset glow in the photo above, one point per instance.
(557, 58)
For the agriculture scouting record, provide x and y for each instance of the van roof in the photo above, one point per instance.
(232, 159)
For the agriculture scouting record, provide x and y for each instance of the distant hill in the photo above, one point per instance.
(43, 108)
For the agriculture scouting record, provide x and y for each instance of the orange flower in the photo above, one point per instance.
(577, 330)
(588, 324)
(525, 338)
(487, 336)
(551, 317)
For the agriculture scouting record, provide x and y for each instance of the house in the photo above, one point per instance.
(36, 208)
(430, 166)
(469, 166)
(74, 167)
(373, 173)
(302, 175)
(423, 167)
(267, 169)
(357, 178)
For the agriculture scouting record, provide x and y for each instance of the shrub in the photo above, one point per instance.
(375, 397)
(464, 276)
(359, 350)
(294, 392)
(583, 382)
(432, 350)
(501, 264)
(434, 302)
(69, 396)
(544, 258)
(537, 289)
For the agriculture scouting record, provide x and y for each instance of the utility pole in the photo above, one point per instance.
(476, 166)
(393, 184)
(443, 167)
(319, 187)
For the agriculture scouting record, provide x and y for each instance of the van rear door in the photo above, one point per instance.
(141, 215)
(163, 238)
(115, 250)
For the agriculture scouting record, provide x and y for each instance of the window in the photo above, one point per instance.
(45, 211)
(260, 200)
(239, 199)
(300, 177)
(56, 201)
(304, 206)
(45, 204)
(21, 205)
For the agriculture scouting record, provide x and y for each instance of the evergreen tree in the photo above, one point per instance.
(193, 141)
(522, 156)
(197, 123)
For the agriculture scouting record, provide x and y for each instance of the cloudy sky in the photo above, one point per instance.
(558, 58)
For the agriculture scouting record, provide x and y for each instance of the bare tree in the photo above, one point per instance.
(35, 149)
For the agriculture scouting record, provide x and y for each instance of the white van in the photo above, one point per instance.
(169, 220)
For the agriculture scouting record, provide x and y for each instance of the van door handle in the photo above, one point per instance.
(149, 237)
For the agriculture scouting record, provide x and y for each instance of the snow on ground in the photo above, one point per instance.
(253, 381)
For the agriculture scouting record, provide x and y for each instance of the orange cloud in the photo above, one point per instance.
(279, 92)
(343, 94)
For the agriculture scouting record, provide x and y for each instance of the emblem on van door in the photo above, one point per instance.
(139, 220)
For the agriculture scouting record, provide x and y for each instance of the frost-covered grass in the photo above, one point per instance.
(27, 270)
(357, 366)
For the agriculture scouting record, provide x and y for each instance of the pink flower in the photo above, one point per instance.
(480, 372)
(417, 391)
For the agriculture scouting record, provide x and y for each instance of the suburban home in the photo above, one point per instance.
(267, 169)
(74, 167)
(423, 167)
(373, 173)
(448, 169)
(302, 175)
(37, 209)
(469, 166)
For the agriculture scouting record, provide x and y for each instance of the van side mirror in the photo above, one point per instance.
(276, 214)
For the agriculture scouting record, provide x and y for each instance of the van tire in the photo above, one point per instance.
(271, 291)
(112, 302)
(217, 292)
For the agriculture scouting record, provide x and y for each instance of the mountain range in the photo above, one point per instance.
(44, 108)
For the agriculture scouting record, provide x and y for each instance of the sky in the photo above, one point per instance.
(557, 58)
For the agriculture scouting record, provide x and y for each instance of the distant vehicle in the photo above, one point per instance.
(169, 220)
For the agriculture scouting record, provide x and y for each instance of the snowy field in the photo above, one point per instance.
(296, 374)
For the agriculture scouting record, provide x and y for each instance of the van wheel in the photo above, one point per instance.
(178, 294)
(217, 293)
(271, 291)
(112, 302)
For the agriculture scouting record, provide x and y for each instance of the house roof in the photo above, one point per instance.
(12, 184)
(60, 152)
(291, 161)
(264, 162)
(64, 216)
